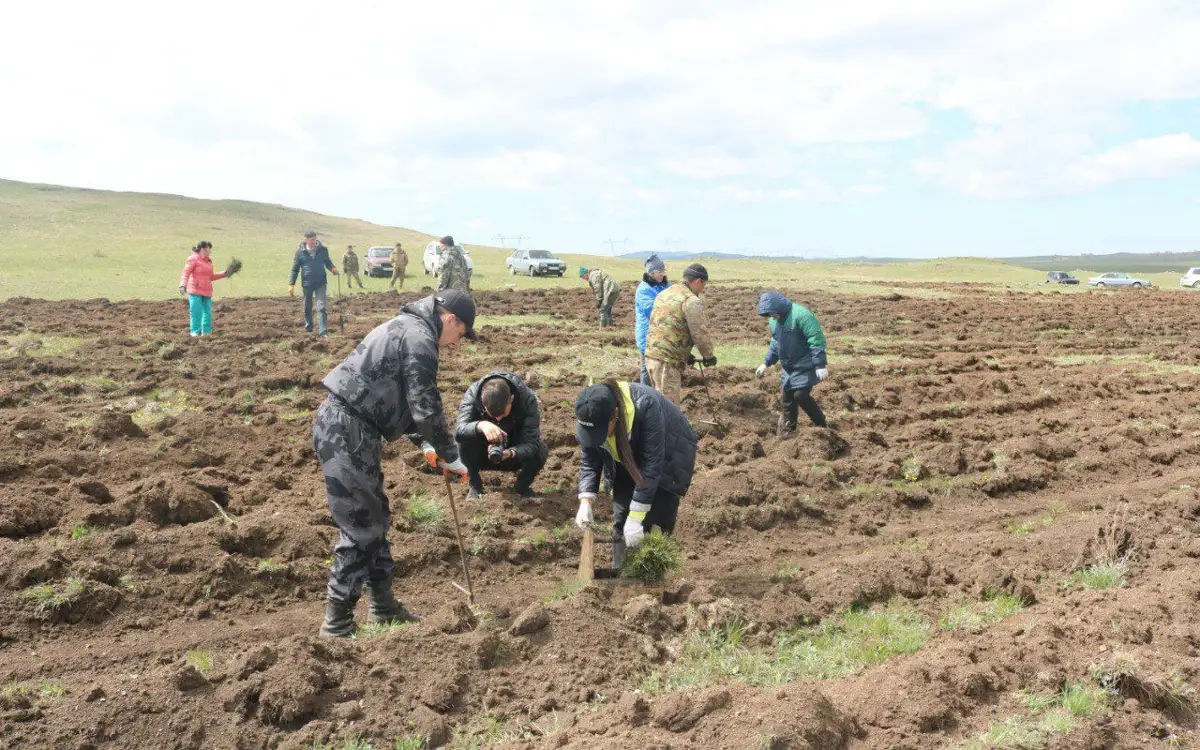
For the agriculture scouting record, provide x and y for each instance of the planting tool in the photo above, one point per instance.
(341, 320)
(588, 571)
(462, 551)
(712, 408)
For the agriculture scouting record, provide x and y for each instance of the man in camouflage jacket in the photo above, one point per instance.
(455, 274)
(385, 389)
(350, 267)
(399, 266)
(676, 325)
(606, 289)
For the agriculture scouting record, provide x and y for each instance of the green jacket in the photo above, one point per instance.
(677, 323)
(605, 287)
(350, 262)
(455, 272)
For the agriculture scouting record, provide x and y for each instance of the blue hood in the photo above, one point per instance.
(774, 303)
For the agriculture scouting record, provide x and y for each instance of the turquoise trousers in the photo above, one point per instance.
(200, 308)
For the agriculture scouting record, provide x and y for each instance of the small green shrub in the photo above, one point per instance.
(268, 566)
(654, 558)
(1101, 576)
(425, 513)
(202, 659)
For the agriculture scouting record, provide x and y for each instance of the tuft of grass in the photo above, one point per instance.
(787, 572)
(426, 514)
(912, 468)
(202, 659)
(1100, 577)
(376, 629)
(539, 539)
(33, 345)
(410, 742)
(657, 555)
(161, 404)
(1124, 676)
(46, 690)
(1021, 528)
(1084, 701)
(486, 525)
(1055, 713)
(268, 566)
(561, 533)
(562, 590)
(79, 532)
(973, 616)
(353, 743)
(49, 599)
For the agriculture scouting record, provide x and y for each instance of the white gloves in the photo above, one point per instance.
(583, 517)
(762, 370)
(455, 467)
(822, 373)
(633, 524)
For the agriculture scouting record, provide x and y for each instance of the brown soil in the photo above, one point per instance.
(145, 477)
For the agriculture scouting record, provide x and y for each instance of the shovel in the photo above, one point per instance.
(462, 552)
(712, 408)
(588, 571)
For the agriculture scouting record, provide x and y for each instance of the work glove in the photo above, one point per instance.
(633, 524)
(182, 289)
(292, 290)
(583, 517)
(822, 373)
(455, 470)
(333, 271)
(761, 371)
(431, 456)
(709, 361)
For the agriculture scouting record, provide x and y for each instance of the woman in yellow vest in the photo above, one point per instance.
(647, 443)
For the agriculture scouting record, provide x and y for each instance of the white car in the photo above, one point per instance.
(1191, 278)
(432, 260)
(1117, 279)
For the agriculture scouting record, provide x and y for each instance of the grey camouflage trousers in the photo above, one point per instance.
(349, 452)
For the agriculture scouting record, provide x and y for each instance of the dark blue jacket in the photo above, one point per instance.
(797, 342)
(310, 266)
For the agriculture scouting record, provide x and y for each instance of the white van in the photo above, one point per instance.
(1191, 278)
(432, 260)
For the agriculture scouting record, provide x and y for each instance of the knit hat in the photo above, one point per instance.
(695, 271)
(583, 271)
(654, 264)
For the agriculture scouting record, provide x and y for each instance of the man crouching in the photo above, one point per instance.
(386, 388)
(499, 429)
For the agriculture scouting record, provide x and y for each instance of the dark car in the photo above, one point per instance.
(1060, 277)
(379, 261)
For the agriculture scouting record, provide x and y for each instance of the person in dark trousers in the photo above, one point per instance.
(798, 345)
(651, 448)
(385, 389)
(654, 280)
(499, 429)
(350, 268)
(312, 258)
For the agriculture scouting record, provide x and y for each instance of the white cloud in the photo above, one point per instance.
(1165, 156)
(477, 224)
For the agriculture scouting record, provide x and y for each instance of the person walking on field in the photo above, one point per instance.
(677, 323)
(310, 263)
(196, 283)
(455, 273)
(645, 441)
(499, 428)
(607, 291)
(385, 389)
(399, 265)
(654, 280)
(350, 268)
(798, 345)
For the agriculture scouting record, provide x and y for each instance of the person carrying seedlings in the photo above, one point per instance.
(196, 283)
(677, 323)
(350, 268)
(654, 280)
(650, 447)
(399, 265)
(312, 258)
(386, 388)
(607, 291)
(499, 428)
(798, 345)
(455, 273)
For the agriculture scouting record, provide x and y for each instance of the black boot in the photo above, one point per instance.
(385, 609)
(339, 619)
(784, 427)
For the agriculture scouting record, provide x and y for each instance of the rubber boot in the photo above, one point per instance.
(784, 427)
(339, 619)
(385, 609)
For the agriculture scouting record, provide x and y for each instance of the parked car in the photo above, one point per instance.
(1060, 277)
(1117, 279)
(378, 261)
(432, 259)
(535, 263)
(1191, 278)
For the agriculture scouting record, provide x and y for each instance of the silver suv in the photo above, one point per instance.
(535, 263)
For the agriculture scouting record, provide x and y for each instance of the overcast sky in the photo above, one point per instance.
(865, 127)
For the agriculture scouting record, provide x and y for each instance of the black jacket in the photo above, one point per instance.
(523, 424)
(390, 379)
(664, 446)
(310, 266)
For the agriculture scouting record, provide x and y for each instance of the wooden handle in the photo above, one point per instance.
(587, 557)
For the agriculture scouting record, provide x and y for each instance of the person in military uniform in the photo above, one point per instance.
(455, 274)
(386, 388)
(677, 323)
(399, 265)
(350, 268)
(499, 428)
(606, 289)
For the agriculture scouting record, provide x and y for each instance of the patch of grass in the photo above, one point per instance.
(916, 545)
(410, 742)
(425, 513)
(657, 555)
(79, 532)
(746, 355)
(1100, 577)
(973, 616)
(161, 404)
(787, 572)
(490, 730)
(292, 395)
(502, 321)
(840, 646)
(539, 539)
(486, 525)
(45, 690)
(268, 566)
(1171, 693)
(354, 743)
(49, 599)
(376, 629)
(1019, 528)
(562, 590)
(561, 533)
(1056, 713)
(597, 362)
(33, 345)
(912, 468)
(202, 659)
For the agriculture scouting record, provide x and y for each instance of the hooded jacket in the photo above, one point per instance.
(643, 305)
(523, 424)
(797, 342)
(310, 266)
(663, 443)
(390, 379)
(604, 286)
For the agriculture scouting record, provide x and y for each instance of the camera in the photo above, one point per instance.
(496, 451)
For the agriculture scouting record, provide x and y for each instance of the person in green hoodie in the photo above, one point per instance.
(798, 345)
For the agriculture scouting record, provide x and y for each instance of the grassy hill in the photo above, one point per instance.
(61, 243)
(1142, 263)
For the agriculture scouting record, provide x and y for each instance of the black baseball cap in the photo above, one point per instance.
(593, 412)
(448, 241)
(463, 307)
